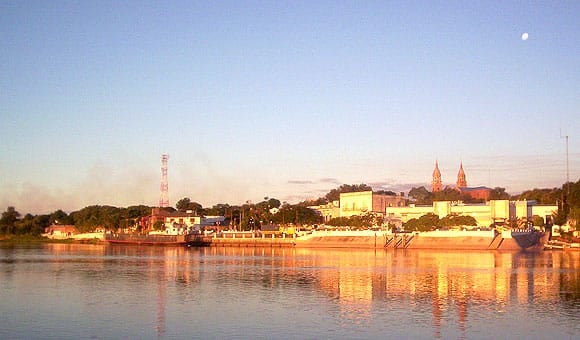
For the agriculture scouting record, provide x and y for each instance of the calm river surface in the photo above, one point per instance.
(65, 291)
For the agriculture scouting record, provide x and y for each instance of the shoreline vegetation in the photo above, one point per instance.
(33, 239)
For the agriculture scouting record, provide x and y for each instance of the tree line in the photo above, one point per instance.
(252, 215)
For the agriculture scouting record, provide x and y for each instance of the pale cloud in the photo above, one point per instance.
(299, 182)
(329, 180)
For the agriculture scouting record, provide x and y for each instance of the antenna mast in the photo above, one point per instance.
(567, 164)
(164, 196)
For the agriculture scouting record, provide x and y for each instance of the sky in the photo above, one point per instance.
(281, 99)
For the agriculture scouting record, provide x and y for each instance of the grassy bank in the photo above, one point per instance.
(25, 239)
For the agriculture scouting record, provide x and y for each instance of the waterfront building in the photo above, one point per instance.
(181, 220)
(492, 211)
(60, 231)
(327, 211)
(360, 203)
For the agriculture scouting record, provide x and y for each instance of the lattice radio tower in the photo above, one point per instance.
(164, 196)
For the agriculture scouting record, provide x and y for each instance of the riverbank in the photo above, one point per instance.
(32, 239)
(460, 240)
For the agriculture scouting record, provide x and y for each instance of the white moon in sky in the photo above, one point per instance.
(525, 36)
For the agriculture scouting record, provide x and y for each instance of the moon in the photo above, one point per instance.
(525, 36)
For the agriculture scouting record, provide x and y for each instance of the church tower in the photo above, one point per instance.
(461, 181)
(436, 183)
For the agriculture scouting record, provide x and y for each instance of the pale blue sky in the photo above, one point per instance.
(281, 99)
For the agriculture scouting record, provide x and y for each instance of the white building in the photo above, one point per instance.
(493, 211)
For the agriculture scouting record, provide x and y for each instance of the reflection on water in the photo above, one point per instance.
(66, 290)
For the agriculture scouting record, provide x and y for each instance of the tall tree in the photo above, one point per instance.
(183, 204)
(422, 195)
(334, 194)
(60, 217)
(186, 204)
(8, 220)
(499, 194)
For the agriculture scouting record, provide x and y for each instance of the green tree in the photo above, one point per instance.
(296, 214)
(412, 224)
(339, 222)
(499, 194)
(183, 204)
(31, 225)
(186, 204)
(274, 203)
(386, 192)
(421, 195)
(574, 217)
(538, 221)
(542, 196)
(60, 217)
(91, 217)
(158, 225)
(457, 220)
(334, 194)
(8, 221)
(423, 223)
(221, 209)
(136, 211)
(449, 194)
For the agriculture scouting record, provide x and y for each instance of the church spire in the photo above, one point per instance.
(436, 183)
(461, 181)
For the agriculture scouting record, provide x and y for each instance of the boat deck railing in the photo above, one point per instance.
(144, 238)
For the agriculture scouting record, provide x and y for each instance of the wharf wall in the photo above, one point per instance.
(462, 240)
(251, 242)
(365, 239)
(472, 242)
(454, 243)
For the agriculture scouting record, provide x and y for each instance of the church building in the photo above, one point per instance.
(480, 192)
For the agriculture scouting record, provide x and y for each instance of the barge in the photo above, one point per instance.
(158, 239)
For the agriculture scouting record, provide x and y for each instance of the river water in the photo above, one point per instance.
(71, 291)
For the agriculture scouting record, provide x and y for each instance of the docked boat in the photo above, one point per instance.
(157, 239)
(528, 238)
